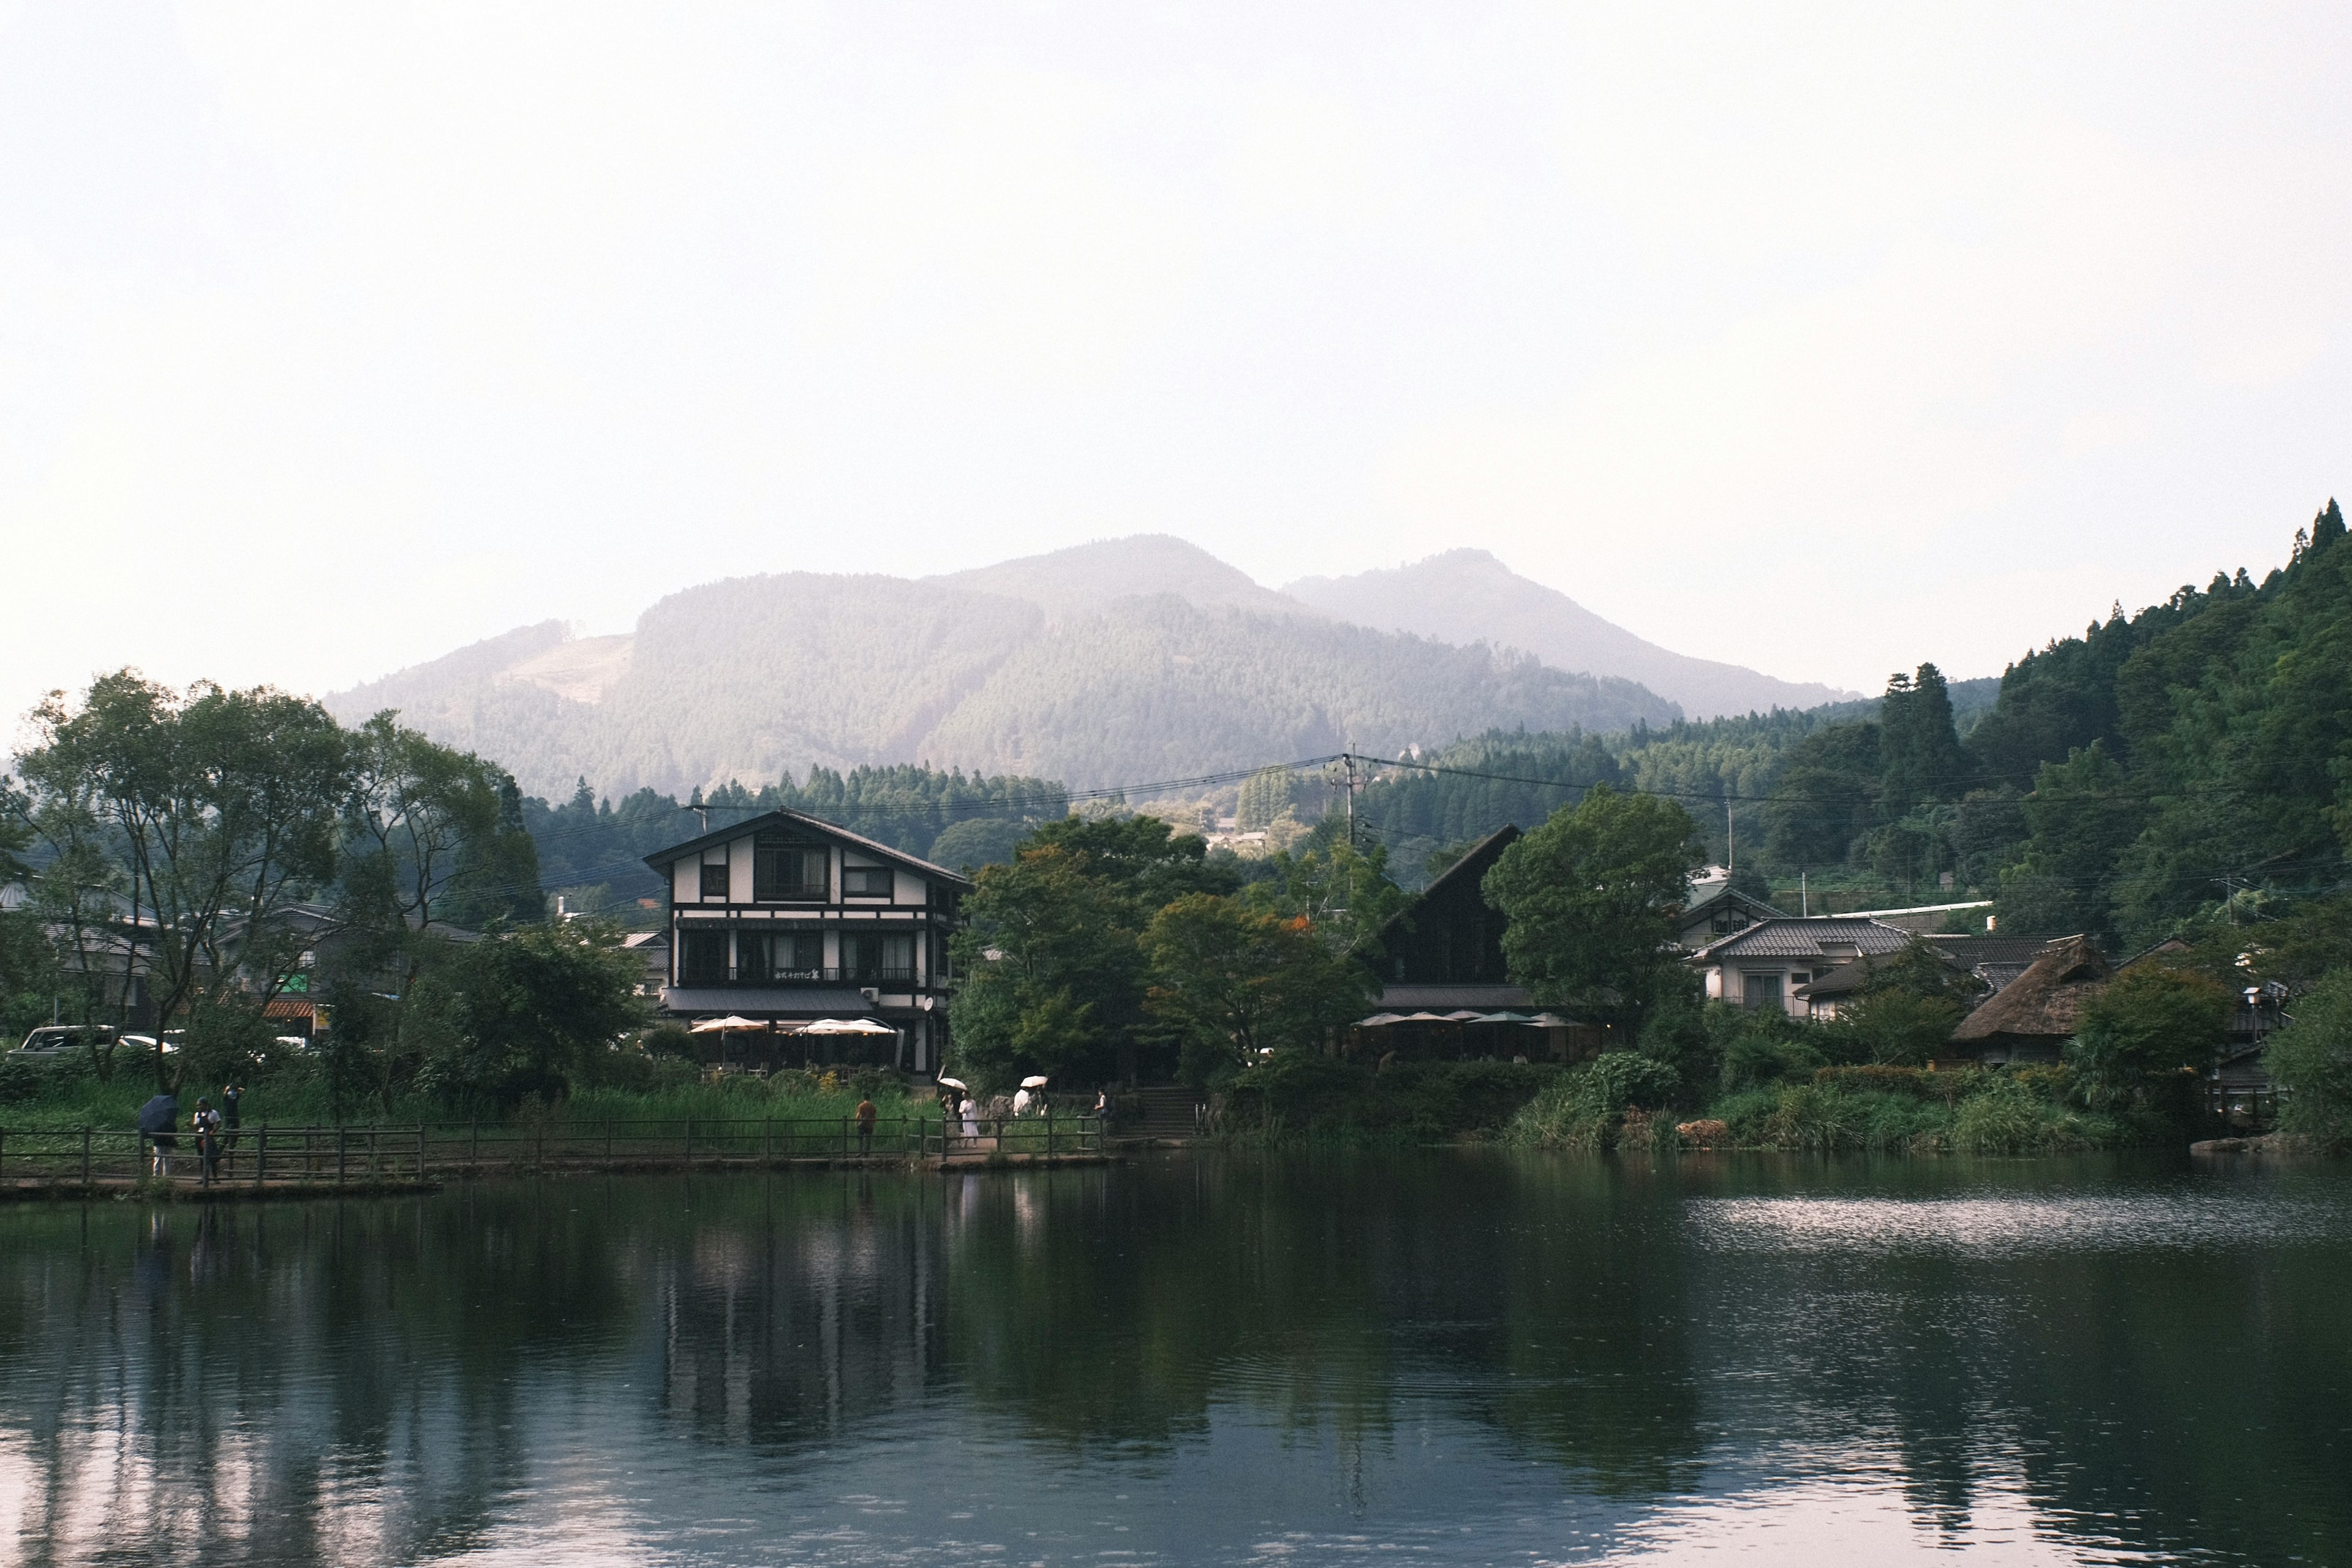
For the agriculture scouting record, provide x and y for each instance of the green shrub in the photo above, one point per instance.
(1817, 1119)
(1586, 1107)
(1300, 1092)
(1919, 1083)
(2007, 1116)
(2311, 1060)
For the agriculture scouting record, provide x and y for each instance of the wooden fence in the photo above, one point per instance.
(419, 1151)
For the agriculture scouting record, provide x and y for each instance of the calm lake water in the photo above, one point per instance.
(1455, 1359)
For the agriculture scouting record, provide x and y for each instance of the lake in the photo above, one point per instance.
(1451, 1358)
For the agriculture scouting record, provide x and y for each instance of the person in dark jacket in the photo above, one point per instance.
(231, 1093)
(159, 1121)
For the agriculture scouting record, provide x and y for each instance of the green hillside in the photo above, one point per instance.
(758, 677)
(2192, 760)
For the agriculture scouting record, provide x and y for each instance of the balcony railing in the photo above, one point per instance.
(870, 974)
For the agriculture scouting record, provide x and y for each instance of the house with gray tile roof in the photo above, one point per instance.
(1764, 964)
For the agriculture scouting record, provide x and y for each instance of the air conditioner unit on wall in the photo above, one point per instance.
(871, 992)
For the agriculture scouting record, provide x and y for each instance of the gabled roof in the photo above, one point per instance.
(1796, 937)
(661, 859)
(1474, 865)
(1714, 893)
(2041, 1002)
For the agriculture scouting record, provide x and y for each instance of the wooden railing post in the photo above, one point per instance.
(689, 1142)
(420, 1150)
(340, 1134)
(85, 1157)
(261, 1156)
(608, 1140)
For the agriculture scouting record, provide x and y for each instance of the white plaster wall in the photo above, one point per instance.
(910, 889)
(686, 880)
(738, 869)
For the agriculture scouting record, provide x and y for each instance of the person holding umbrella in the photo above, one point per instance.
(159, 1119)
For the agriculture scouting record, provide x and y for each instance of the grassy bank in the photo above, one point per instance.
(69, 1095)
(1627, 1101)
(2033, 1110)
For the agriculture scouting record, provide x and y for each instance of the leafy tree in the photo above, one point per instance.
(517, 1015)
(1905, 1011)
(2081, 815)
(1144, 858)
(212, 811)
(2311, 1060)
(1826, 796)
(1052, 975)
(1919, 748)
(2150, 1020)
(1590, 897)
(977, 841)
(1233, 981)
(1344, 893)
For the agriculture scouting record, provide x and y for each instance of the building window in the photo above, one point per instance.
(865, 882)
(783, 870)
(714, 879)
(1760, 990)
(877, 958)
(702, 958)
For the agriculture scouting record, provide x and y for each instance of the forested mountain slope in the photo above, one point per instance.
(2188, 764)
(754, 677)
(1467, 595)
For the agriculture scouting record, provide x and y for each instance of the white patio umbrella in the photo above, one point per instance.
(1504, 1017)
(1464, 1015)
(1034, 1081)
(947, 1082)
(1380, 1020)
(846, 1027)
(730, 1025)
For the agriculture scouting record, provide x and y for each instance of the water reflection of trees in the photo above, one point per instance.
(281, 1381)
(356, 1381)
(1125, 1307)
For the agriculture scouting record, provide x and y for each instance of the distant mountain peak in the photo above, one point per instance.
(1467, 595)
(1085, 578)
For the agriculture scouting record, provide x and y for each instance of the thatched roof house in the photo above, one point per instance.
(2029, 1020)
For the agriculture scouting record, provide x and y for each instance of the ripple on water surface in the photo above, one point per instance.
(2011, 1224)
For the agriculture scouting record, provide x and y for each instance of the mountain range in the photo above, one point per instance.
(1120, 661)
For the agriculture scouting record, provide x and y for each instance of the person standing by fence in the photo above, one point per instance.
(159, 1119)
(206, 1124)
(231, 1093)
(865, 1115)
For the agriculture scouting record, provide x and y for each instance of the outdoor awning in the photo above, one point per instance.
(768, 1001)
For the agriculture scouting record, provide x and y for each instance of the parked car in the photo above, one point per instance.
(53, 1040)
(172, 1038)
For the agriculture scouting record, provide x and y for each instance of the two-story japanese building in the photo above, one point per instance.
(786, 919)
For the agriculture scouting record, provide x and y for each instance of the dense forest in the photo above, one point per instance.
(592, 852)
(2194, 758)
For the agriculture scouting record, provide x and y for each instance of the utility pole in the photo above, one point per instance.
(1350, 760)
(1730, 859)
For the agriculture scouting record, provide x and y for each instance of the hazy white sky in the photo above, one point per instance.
(1824, 340)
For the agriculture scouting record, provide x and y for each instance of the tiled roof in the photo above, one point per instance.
(1803, 939)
